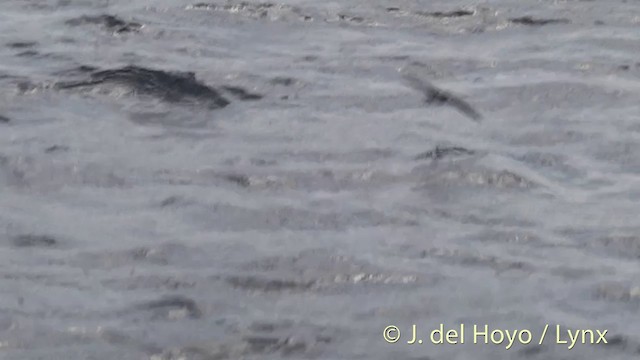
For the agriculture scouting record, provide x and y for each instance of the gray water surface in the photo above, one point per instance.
(245, 180)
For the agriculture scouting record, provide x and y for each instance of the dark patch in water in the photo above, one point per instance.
(111, 22)
(528, 20)
(4, 120)
(241, 180)
(356, 19)
(176, 302)
(267, 285)
(33, 241)
(617, 340)
(268, 327)
(441, 152)
(156, 282)
(394, 58)
(169, 86)
(264, 344)
(38, 55)
(171, 200)
(28, 53)
(80, 70)
(56, 148)
(21, 45)
(436, 96)
(248, 347)
(435, 14)
(203, 6)
(445, 14)
(261, 343)
(455, 174)
(241, 93)
(476, 259)
(530, 351)
(628, 67)
(255, 10)
(262, 162)
(284, 81)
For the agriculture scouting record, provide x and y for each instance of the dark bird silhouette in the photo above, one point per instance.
(437, 96)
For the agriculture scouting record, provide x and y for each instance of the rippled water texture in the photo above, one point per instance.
(246, 180)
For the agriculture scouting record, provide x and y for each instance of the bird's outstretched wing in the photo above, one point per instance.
(435, 95)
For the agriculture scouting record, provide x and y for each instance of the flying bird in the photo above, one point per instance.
(437, 96)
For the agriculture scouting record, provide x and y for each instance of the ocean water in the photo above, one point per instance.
(255, 180)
